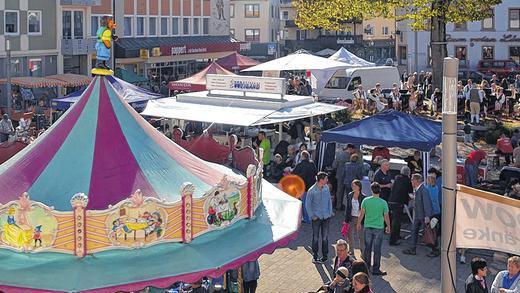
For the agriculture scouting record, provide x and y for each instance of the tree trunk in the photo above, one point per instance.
(438, 44)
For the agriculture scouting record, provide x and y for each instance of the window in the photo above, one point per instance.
(34, 22)
(231, 10)
(140, 26)
(301, 35)
(78, 25)
(35, 67)
(514, 53)
(369, 30)
(461, 54)
(152, 26)
(205, 26)
(252, 10)
(232, 32)
(514, 19)
(460, 26)
(354, 83)
(128, 26)
(403, 55)
(94, 24)
(489, 23)
(66, 17)
(385, 30)
(285, 15)
(175, 26)
(252, 35)
(488, 52)
(164, 26)
(337, 82)
(195, 26)
(185, 26)
(12, 22)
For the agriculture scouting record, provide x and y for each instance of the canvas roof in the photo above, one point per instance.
(343, 55)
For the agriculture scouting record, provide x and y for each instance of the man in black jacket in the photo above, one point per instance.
(398, 198)
(306, 170)
(476, 282)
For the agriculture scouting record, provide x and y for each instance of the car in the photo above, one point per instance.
(475, 76)
(502, 68)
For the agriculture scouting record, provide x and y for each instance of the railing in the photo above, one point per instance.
(136, 222)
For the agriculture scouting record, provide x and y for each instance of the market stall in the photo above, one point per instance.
(343, 55)
(236, 62)
(130, 210)
(197, 82)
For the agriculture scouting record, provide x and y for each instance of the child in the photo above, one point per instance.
(476, 281)
(37, 235)
(468, 138)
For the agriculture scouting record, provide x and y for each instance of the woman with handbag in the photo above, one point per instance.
(352, 204)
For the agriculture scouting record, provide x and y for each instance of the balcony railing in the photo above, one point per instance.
(78, 46)
(81, 2)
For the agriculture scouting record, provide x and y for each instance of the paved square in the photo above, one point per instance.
(291, 269)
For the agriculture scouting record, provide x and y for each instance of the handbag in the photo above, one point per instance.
(344, 229)
(429, 237)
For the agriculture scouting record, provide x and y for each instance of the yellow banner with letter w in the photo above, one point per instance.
(487, 220)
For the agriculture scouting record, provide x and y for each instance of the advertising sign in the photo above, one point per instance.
(245, 84)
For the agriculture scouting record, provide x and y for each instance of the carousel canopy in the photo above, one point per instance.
(343, 55)
(103, 148)
(131, 93)
(197, 82)
(236, 61)
(71, 80)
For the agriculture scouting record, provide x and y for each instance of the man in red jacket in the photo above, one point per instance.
(471, 166)
(504, 148)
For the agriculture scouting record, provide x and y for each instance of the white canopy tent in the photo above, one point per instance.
(325, 52)
(227, 107)
(322, 69)
(344, 56)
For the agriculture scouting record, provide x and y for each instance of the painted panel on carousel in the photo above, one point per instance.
(26, 225)
(137, 222)
(223, 204)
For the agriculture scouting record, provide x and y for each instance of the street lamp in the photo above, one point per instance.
(449, 178)
(8, 71)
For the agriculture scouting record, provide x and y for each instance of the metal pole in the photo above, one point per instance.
(449, 154)
(112, 49)
(8, 86)
(280, 132)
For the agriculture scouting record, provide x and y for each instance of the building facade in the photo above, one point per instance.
(494, 38)
(379, 39)
(257, 24)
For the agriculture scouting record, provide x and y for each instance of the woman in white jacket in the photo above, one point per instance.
(508, 281)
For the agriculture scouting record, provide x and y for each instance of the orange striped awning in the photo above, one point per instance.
(71, 80)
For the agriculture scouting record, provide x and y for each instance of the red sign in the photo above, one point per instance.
(173, 50)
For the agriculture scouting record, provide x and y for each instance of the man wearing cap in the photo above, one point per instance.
(318, 204)
(340, 283)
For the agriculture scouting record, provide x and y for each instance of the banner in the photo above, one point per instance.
(486, 220)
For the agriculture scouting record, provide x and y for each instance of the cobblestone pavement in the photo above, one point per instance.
(291, 269)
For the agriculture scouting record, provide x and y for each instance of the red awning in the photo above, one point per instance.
(236, 61)
(197, 82)
(34, 82)
(71, 80)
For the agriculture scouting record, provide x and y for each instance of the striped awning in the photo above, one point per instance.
(71, 80)
(34, 82)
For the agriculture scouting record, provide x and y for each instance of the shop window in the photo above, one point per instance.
(195, 26)
(514, 53)
(34, 22)
(488, 52)
(152, 26)
(252, 10)
(185, 26)
(164, 26)
(128, 26)
(461, 54)
(140, 26)
(35, 67)
(12, 21)
(175, 26)
(252, 35)
(514, 19)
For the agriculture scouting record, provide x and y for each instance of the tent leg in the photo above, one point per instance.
(426, 163)
(311, 131)
(280, 132)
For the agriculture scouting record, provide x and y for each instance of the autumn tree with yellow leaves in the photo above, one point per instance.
(432, 15)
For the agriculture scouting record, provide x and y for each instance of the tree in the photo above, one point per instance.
(432, 15)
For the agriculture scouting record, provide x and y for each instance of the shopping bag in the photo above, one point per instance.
(430, 237)
(344, 229)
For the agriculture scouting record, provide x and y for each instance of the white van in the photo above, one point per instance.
(344, 82)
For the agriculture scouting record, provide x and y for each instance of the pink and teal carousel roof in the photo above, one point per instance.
(101, 147)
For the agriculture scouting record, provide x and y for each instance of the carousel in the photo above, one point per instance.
(103, 202)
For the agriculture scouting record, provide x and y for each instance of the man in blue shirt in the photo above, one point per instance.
(318, 203)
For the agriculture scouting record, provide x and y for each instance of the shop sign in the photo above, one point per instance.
(174, 50)
(156, 52)
(245, 84)
(506, 38)
(271, 49)
(144, 54)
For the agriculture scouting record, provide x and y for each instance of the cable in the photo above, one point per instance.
(449, 244)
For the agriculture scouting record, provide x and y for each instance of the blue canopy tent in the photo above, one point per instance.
(134, 95)
(390, 129)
